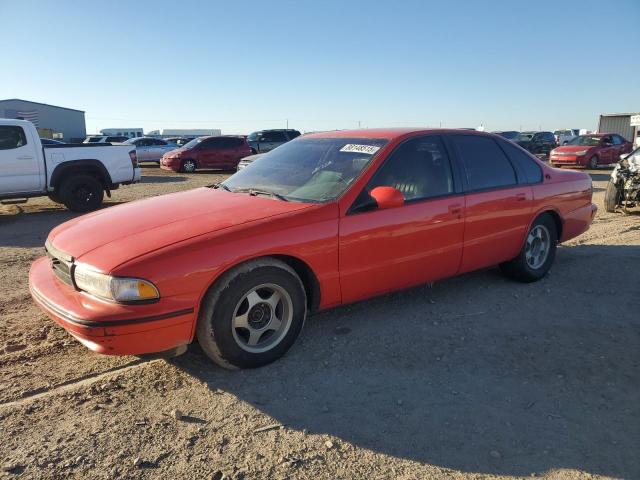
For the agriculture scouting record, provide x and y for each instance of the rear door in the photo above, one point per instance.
(143, 147)
(607, 151)
(497, 206)
(20, 165)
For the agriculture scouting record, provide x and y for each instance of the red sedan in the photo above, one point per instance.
(323, 220)
(223, 152)
(591, 150)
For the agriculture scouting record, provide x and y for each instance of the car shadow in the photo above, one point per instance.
(478, 373)
(28, 226)
(162, 179)
(599, 177)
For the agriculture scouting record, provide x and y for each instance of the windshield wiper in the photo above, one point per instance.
(255, 192)
(220, 185)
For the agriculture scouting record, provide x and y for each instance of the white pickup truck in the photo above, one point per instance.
(76, 175)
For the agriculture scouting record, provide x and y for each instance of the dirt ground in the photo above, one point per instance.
(474, 377)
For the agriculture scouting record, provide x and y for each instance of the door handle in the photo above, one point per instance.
(521, 197)
(25, 157)
(455, 209)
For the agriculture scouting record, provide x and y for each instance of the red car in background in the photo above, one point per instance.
(590, 150)
(222, 152)
(323, 220)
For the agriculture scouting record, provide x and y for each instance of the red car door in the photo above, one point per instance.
(607, 150)
(421, 241)
(497, 206)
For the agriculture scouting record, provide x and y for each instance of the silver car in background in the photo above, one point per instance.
(149, 149)
(246, 161)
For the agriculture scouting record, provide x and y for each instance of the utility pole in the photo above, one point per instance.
(359, 123)
(287, 124)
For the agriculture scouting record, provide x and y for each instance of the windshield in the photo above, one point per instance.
(253, 136)
(525, 136)
(192, 143)
(587, 140)
(308, 169)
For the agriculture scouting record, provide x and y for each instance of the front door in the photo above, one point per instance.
(421, 241)
(20, 165)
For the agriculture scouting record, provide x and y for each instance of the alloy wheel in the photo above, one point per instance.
(537, 247)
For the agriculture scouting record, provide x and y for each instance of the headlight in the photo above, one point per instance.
(580, 152)
(119, 289)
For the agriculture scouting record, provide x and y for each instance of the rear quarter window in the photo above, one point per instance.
(527, 165)
(486, 166)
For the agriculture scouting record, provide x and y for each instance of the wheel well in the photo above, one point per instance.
(556, 218)
(308, 277)
(85, 167)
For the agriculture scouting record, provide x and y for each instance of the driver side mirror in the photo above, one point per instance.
(387, 197)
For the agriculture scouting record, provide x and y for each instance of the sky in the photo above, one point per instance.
(241, 66)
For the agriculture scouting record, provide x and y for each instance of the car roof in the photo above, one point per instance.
(389, 133)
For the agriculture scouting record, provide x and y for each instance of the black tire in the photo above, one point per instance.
(188, 166)
(612, 197)
(253, 151)
(54, 197)
(216, 332)
(81, 193)
(593, 162)
(519, 268)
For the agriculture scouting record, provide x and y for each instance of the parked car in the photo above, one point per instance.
(76, 175)
(591, 150)
(151, 149)
(50, 141)
(266, 140)
(324, 220)
(508, 134)
(221, 152)
(180, 141)
(246, 161)
(565, 136)
(538, 143)
(105, 139)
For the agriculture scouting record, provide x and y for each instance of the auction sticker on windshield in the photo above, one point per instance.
(352, 147)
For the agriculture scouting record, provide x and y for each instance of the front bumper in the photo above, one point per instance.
(111, 328)
(172, 164)
(568, 160)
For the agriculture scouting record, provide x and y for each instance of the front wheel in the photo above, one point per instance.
(539, 250)
(188, 166)
(612, 197)
(252, 315)
(593, 162)
(81, 193)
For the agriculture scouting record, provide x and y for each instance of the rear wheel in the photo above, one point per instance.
(81, 193)
(593, 162)
(252, 315)
(539, 250)
(188, 166)
(612, 197)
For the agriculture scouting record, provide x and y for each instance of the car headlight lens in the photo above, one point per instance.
(118, 289)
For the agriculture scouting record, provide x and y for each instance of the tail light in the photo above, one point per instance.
(134, 158)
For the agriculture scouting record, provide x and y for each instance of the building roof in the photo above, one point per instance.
(38, 103)
(619, 114)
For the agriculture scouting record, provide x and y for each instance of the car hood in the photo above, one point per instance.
(572, 148)
(112, 236)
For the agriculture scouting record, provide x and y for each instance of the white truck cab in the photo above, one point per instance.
(76, 175)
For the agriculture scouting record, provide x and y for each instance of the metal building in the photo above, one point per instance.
(619, 123)
(65, 124)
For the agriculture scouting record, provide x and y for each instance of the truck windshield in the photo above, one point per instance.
(307, 169)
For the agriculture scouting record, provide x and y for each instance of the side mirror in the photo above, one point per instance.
(387, 197)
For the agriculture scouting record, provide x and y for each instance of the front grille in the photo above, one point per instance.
(61, 263)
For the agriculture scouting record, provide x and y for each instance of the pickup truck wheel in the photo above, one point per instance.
(252, 315)
(539, 250)
(612, 197)
(188, 166)
(82, 193)
(54, 198)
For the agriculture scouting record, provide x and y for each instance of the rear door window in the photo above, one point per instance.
(486, 166)
(12, 136)
(274, 137)
(527, 165)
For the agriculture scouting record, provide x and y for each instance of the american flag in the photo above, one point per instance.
(31, 115)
